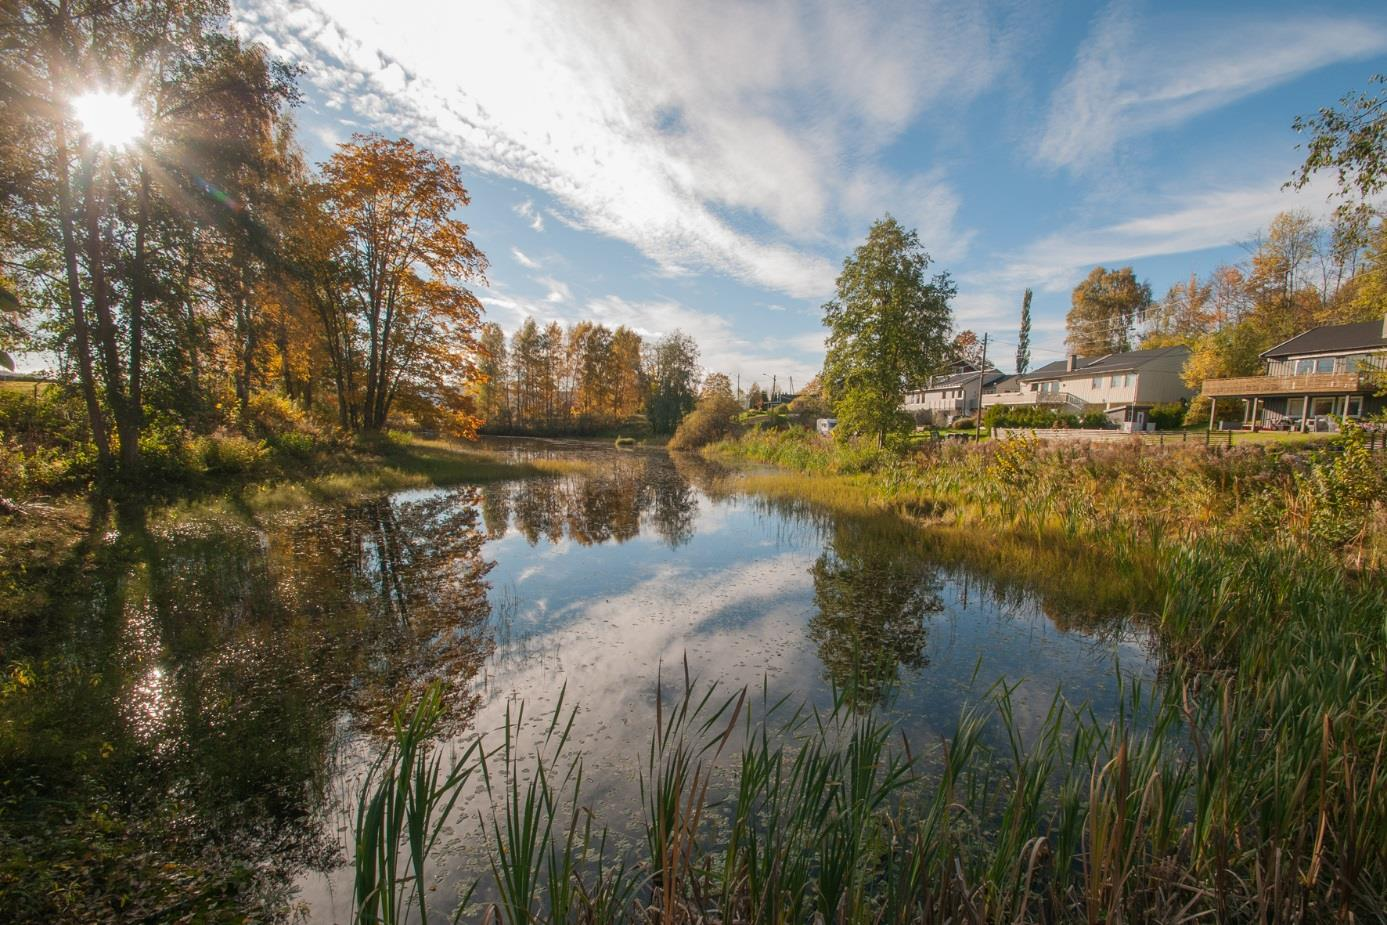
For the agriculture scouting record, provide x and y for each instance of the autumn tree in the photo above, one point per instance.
(402, 253)
(966, 347)
(755, 397)
(1184, 314)
(888, 326)
(1105, 309)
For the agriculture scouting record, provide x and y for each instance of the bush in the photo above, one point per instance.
(1094, 420)
(712, 420)
(229, 454)
(965, 424)
(1028, 416)
(1169, 416)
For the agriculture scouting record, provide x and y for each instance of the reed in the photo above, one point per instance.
(1245, 783)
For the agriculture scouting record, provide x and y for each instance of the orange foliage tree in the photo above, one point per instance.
(407, 326)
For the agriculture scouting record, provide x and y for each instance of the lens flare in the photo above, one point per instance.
(109, 119)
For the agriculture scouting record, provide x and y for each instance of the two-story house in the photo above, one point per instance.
(1121, 385)
(954, 395)
(1313, 379)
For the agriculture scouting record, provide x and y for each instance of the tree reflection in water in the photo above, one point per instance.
(632, 491)
(873, 598)
(199, 674)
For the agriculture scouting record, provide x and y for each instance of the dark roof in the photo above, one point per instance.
(947, 382)
(1011, 383)
(1333, 338)
(1112, 363)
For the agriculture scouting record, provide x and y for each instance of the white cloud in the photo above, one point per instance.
(527, 211)
(523, 259)
(714, 137)
(1132, 77)
(558, 293)
(1194, 221)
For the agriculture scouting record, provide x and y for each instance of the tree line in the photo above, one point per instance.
(583, 379)
(198, 273)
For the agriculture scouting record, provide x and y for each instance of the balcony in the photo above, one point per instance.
(1034, 398)
(1341, 383)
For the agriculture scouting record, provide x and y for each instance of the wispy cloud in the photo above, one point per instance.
(1196, 220)
(523, 259)
(732, 136)
(1133, 76)
(526, 210)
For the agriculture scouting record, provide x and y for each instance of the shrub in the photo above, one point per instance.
(711, 420)
(965, 424)
(1169, 416)
(1094, 420)
(229, 454)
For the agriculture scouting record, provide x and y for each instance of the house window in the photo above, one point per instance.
(1355, 406)
(1112, 380)
(1097, 382)
(1324, 365)
(1304, 367)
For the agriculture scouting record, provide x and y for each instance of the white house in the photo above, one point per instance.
(1122, 385)
(952, 396)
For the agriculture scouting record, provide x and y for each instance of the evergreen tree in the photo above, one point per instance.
(1023, 339)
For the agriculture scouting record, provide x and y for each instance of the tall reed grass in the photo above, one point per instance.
(1245, 784)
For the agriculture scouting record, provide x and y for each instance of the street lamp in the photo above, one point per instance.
(108, 119)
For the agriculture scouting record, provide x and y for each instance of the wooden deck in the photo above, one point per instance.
(1309, 384)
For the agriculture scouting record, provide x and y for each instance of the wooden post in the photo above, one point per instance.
(1305, 415)
(1213, 408)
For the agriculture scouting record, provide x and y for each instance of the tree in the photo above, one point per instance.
(1352, 142)
(717, 386)
(1023, 338)
(104, 224)
(1184, 314)
(755, 397)
(492, 401)
(967, 348)
(810, 399)
(888, 326)
(401, 253)
(1106, 307)
(672, 373)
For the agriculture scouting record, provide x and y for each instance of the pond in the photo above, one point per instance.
(237, 677)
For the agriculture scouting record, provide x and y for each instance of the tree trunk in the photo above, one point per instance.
(127, 425)
(96, 417)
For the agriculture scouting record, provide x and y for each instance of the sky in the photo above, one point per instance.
(706, 166)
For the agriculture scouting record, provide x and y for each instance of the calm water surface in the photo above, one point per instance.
(248, 672)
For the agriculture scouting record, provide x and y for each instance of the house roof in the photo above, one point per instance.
(1112, 363)
(957, 379)
(1333, 338)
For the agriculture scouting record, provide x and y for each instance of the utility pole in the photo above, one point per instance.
(982, 374)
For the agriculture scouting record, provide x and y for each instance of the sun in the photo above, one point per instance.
(109, 119)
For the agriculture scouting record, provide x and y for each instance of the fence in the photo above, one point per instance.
(1376, 437)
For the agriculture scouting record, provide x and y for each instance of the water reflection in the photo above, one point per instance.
(873, 599)
(204, 675)
(243, 669)
(631, 491)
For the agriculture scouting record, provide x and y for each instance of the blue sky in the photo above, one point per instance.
(707, 166)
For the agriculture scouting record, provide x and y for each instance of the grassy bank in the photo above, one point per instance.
(1245, 785)
(41, 532)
